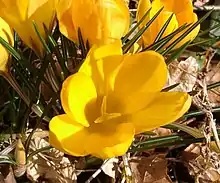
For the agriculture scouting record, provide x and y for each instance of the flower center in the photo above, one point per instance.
(104, 115)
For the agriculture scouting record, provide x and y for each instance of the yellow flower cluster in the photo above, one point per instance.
(113, 96)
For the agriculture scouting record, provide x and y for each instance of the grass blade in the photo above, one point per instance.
(135, 27)
(130, 43)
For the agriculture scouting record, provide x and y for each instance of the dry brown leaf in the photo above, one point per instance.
(151, 169)
(212, 77)
(184, 73)
(198, 166)
(51, 165)
(111, 168)
(162, 131)
(6, 174)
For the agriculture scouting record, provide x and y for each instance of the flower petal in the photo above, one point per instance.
(128, 104)
(101, 15)
(113, 151)
(23, 13)
(97, 53)
(7, 34)
(143, 7)
(66, 26)
(165, 108)
(110, 139)
(102, 140)
(62, 129)
(176, 6)
(189, 19)
(77, 92)
(146, 72)
(101, 62)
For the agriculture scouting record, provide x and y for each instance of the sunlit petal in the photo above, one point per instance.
(165, 108)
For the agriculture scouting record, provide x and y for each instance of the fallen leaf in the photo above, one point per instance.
(162, 132)
(212, 77)
(152, 169)
(51, 165)
(202, 168)
(110, 168)
(185, 73)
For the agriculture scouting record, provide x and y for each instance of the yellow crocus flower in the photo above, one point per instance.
(112, 98)
(182, 11)
(20, 14)
(100, 21)
(7, 34)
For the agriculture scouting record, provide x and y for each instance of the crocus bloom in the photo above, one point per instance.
(7, 34)
(182, 11)
(20, 14)
(112, 98)
(100, 21)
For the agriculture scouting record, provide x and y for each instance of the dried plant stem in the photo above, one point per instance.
(128, 173)
(98, 171)
(202, 102)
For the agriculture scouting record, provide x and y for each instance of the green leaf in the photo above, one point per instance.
(41, 38)
(170, 87)
(162, 42)
(165, 141)
(163, 29)
(130, 43)
(43, 149)
(6, 159)
(10, 49)
(198, 113)
(45, 113)
(177, 53)
(135, 27)
(190, 29)
(189, 130)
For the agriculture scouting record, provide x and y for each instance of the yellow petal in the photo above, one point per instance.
(165, 108)
(110, 139)
(23, 14)
(78, 91)
(143, 7)
(64, 16)
(157, 25)
(141, 72)
(62, 129)
(42, 12)
(97, 53)
(101, 15)
(186, 17)
(101, 140)
(176, 6)
(128, 104)
(135, 48)
(113, 151)
(101, 62)
(7, 34)
(18, 7)
(182, 10)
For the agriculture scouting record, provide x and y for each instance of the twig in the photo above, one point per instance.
(201, 98)
(98, 171)
(128, 173)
